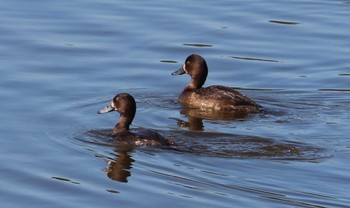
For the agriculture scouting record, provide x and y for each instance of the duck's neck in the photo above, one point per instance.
(193, 85)
(123, 124)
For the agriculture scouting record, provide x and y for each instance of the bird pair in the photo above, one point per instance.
(213, 98)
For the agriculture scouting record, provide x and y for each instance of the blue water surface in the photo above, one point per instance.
(61, 61)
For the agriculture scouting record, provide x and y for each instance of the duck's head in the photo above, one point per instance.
(197, 68)
(125, 104)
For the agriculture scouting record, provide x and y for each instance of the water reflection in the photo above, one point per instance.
(119, 169)
(215, 144)
(200, 45)
(199, 142)
(214, 115)
(334, 90)
(193, 123)
(254, 59)
(65, 180)
(344, 75)
(284, 22)
(168, 61)
(196, 116)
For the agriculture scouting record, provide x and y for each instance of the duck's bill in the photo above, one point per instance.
(107, 109)
(179, 72)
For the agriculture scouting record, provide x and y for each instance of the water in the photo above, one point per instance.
(62, 61)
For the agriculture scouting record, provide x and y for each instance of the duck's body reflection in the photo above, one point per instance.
(203, 143)
(119, 169)
(196, 116)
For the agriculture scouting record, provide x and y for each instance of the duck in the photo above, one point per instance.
(125, 104)
(212, 98)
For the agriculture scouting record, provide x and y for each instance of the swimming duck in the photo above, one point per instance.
(125, 104)
(216, 97)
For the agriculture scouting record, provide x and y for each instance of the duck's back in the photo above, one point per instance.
(142, 137)
(220, 98)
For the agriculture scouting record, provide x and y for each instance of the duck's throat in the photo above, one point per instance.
(193, 85)
(123, 125)
(120, 129)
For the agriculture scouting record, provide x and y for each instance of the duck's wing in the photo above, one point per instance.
(227, 94)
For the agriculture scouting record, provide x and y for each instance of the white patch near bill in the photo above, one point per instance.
(184, 68)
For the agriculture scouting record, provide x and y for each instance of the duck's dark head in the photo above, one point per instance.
(197, 68)
(125, 104)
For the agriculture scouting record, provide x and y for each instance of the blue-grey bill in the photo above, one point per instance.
(178, 72)
(107, 109)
